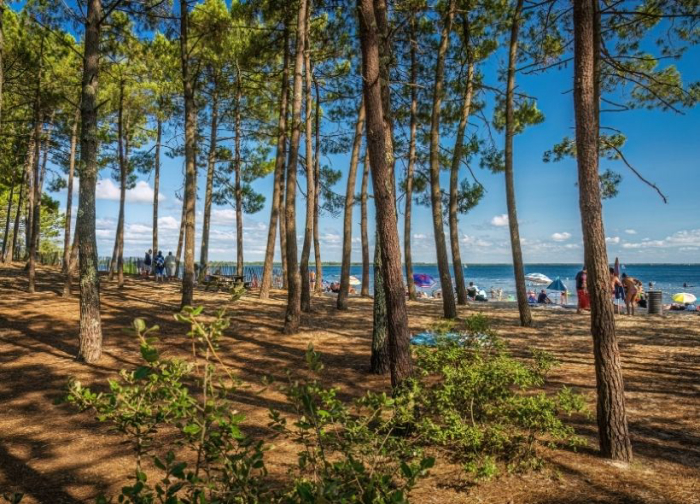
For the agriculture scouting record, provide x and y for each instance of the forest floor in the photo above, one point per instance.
(55, 455)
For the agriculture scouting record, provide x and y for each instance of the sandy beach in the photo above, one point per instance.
(55, 455)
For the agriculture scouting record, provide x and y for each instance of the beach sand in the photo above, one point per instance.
(55, 455)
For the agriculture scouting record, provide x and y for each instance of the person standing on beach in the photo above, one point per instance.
(582, 291)
(147, 263)
(170, 266)
(160, 267)
(631, 286)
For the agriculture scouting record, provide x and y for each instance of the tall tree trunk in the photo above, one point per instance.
(364, 292)
(18, 215)
(35, 208)
(454, 188)
(90, 324)
(42, 171)
(379, 358)
(190, 161)
(518, 267)
(180, 240)
(283, 229)
(381, 161)
(122, 202)
(29, 190)
(317, 178)
(7, 221)
(293, 315)
(310, 182)
(2, 54)
(448, 298)
(408, 256)
(342, 302)
(115, 266)
(156, 186)
(237, 168)
(208, 193)
(278, 184)
(69, 199)
(612, 417)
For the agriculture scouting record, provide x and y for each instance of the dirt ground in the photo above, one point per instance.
(55, 455)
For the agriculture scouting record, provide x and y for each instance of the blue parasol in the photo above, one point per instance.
(557, 285)
(424, 281)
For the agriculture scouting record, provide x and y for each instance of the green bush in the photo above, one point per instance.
(349, 452)
(483, 406)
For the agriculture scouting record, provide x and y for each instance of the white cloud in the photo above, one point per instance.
(419, 236)
(475, 241)
(630, 231)
(560, 237)
(681, 239)
(500, 220)
(168, 222)
(223, 216)
(142, 192)
(613, 239)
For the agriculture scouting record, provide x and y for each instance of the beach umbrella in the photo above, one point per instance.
(557, 285)
(538, 278)
(423, 280)
(684, 298)
(354, 280)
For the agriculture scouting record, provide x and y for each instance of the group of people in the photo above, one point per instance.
(543, 298)
(623, 287)
(164, 268)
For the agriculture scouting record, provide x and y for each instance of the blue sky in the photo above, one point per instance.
(663, 146)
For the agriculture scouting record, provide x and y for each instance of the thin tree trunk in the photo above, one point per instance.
(342, 302)
(381, 161)
(310, 182)
(114, 266)
(70, 268)
(379, 358)
(237, 168)
(29, 190)
(612, 417)
(180, 240)
(42, 172)
(448, 298)
(190, 161)
(283, 228)
(364, 292)
(90, 323)
(7, 219)
(122, 202)
(35, 208)
(293, 315)
(317, 178)
(408, 256)
(208, 193)
(156, 187)
(454, 188)
(18, 215)
(69, 199)
(518, 267)
(278, 184)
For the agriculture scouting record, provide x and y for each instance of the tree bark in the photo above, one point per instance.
(90, 348)
(364, 292)
(518, 267)
(379, 358)
(342, 302)
(277, 194)
(310, 182)
(35, 207)
(156, 187)
(208, 193)
(448, 298)
(72, 261)
(317, 176)
(29, 190)
(69, 202)
(293, 315)
(611, 413)
(237, 169)
(283, 228)
(190, 161)
(454, 188)
(373, 21)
